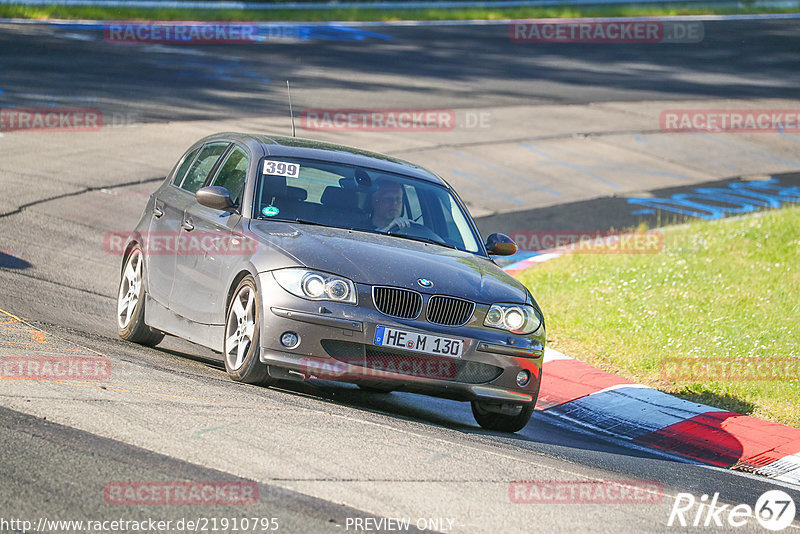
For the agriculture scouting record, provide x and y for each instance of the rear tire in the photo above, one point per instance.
(491, 420)
(131, 325)
(241, 348)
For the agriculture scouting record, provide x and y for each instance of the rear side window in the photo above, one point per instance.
(184, 166)
(202, 166)
(233, 173)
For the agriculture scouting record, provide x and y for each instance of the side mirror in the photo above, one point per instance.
(215, 197)
(500, 245)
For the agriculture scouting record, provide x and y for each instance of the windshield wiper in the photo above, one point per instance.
(423, 239)
(297, 220)
(306, 221)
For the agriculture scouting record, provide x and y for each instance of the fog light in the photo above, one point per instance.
(523, 377)
(290, 340)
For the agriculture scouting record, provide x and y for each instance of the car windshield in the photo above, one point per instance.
(347, 196)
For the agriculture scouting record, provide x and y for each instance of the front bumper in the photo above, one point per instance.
(336, 343)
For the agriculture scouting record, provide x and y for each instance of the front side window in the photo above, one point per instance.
(357, 198)
(184, 166)
(203, 165)
(233, 173)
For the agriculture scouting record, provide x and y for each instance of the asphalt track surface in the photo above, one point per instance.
(438, 66)
(320, 453)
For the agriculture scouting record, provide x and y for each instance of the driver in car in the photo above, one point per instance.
(387, 207)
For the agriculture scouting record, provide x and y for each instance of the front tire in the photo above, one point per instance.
(131, 325)
(489, 418)
(242, 331)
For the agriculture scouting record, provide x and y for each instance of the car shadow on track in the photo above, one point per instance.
(209, 361)
(543, 431)
(7, 261)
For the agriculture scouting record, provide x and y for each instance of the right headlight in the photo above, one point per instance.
(516, 318)
(316, 285)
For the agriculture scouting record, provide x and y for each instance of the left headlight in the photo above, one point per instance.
(516, 318)
(316, 285)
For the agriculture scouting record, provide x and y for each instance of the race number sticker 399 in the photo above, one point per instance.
(281, 168)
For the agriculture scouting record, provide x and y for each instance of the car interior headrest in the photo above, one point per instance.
(339, 198)
(363, 179)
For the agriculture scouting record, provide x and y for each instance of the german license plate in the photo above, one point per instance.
(418, 342)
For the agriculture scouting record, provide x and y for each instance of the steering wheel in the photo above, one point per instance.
(416, 230)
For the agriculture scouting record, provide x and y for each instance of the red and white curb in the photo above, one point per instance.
(582, 395)
(520, 266)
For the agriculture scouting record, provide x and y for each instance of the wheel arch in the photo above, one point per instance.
(235, 283)
(128, 248)
(134, 240)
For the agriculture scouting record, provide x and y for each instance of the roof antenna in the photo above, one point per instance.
(291, 114)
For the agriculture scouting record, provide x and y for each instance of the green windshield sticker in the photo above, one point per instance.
(270, 211)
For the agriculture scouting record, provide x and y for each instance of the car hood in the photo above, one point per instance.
(377, 259)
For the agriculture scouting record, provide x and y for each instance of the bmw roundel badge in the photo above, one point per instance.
(424, 282)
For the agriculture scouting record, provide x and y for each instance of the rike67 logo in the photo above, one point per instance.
(774, 510)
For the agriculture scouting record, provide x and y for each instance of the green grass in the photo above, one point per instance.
(726, 289)
(108, 13)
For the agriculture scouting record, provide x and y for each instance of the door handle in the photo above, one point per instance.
(187, 225)
(157, 212)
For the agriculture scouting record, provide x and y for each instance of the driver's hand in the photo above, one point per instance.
(398, 222)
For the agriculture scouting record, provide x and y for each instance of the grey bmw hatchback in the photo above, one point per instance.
(302, 260)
